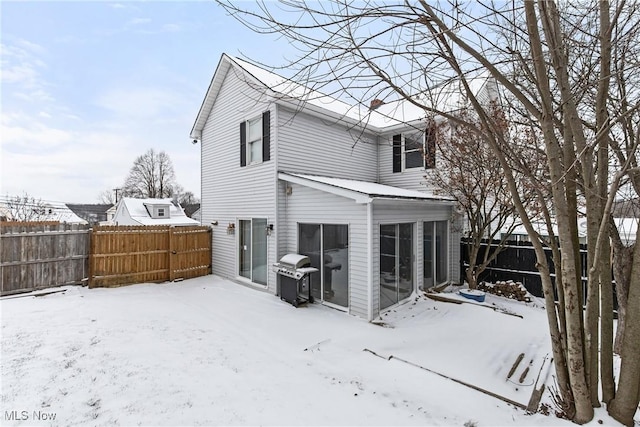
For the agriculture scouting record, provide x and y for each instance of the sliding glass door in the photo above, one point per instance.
(327, 246)
(252, 249)
(396, 263)
(435, 239)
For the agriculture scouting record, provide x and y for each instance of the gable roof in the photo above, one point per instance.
(90, 212)
(360, 191)
(384, 118)
(58, 211)
(137, 209)
(190, 209)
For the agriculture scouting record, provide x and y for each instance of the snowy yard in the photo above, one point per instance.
(210, 352)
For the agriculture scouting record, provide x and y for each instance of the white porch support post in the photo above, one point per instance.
(370, 258)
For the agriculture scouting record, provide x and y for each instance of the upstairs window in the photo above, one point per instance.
(255, 144)
(254, 141)
(157, 211)
(414, 150)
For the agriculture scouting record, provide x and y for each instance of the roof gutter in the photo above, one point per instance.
(370, 260)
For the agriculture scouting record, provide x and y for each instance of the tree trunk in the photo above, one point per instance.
(622, 262)
(623, 407)
(606, 326)
(571, 282)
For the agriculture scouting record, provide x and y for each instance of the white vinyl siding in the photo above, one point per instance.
(310, 206)
(412, 179)
(311, 145)
(229, 191)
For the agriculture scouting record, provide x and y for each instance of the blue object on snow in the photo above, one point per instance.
(473, 294)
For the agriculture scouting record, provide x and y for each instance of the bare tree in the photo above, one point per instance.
(559, 68)
(188, 198)
(469, 172)
(108, 197)
(151, 176)
(25, 208)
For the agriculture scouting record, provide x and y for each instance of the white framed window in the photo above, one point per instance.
(161, 213)
(254, 140)
(413, 150)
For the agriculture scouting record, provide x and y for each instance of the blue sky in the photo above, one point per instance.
(89, 86)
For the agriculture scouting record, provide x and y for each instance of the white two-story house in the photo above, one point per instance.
(288, 170)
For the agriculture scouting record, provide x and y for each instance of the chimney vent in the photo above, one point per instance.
(375, 103)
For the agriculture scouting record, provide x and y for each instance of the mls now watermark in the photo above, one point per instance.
(29, 416)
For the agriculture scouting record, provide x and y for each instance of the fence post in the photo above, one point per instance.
(92, 251)
(171, 253)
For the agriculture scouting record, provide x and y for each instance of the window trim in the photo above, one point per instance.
(261, 122)
(421, 149)
(257, 121)
(399, 148)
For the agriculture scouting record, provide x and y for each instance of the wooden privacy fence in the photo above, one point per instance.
(122, 255)
(517, 262)
(42, 255)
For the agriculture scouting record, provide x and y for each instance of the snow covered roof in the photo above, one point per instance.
(138, 210)
(57, 211)
(360, 191)
(48, 211)
(383, 118)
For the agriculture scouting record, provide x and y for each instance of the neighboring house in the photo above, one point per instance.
(92, 213)
(289, 170)
(193, 211)
(45, 212)
(5, 215)
(110, 213)
(131, 211)
(626, 216)
(197, 215)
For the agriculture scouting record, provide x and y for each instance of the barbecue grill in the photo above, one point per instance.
(294, 278)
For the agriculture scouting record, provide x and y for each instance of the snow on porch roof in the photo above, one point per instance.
(360, 191)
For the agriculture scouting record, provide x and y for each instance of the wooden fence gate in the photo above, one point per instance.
(123, 255)
(42, 255)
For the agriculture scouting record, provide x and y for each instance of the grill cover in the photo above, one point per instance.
(295, 261)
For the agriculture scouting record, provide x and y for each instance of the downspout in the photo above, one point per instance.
(274, 147)
(370, 258)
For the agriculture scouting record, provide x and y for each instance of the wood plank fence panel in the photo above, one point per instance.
(190, 252)
(42, 255)
(123, 255)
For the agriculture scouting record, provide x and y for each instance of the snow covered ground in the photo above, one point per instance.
(210, 352)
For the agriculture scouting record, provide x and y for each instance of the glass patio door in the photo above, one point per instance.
(327, 246)
(435, 240)
(252, 249)
(396, 263)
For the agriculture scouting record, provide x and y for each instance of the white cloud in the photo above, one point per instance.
(73, 164)
(171, 28)
(139, 103)
(63, 165)
(22, 67)
(139, 21)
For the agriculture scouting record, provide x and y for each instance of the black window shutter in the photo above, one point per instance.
(266, 136)
(430, 147)
(243, 144)
(397, 153)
